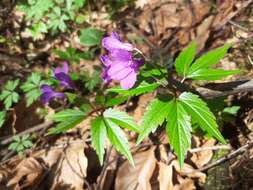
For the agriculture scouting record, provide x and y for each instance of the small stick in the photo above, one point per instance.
(194, 150)
(228, 157)
(31, 130)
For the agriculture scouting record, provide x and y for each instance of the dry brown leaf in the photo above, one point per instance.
(138, 177)
(165, 176)
(30, 170)
(71, 169)
(203, 157)
(184, 184)
(189, 171)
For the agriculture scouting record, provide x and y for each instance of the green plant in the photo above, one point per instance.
(21, 144)
(8, 95)
(32, 88)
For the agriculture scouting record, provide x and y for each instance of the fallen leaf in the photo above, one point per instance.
(201, 158)
(165, 176)
(138, 177)
(189, 171)
(71, 169)
(27, 173)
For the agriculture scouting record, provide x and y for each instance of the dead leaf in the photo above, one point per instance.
(71, 169)
(27, 172)
(201, 158)
(138, 177)
(165, 176)
(189, 171)
(184, 184)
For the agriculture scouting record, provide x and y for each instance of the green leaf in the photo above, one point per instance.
(38, 10)
(13, 146)
(68, 119)
(91, 36)
(2, 118)
(201, 114)
(185, 58)
(118, 140)
(231, 110)
(155, 115)
(142, 88)
(208, 59)
(67, 113)
(179, 130)
(27, 144)
(211, 74)
(112, 101)
(11, 85)
(32, 88)
(98, 137)
(122, 119)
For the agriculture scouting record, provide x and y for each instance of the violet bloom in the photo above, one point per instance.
(62, 75)
(48, 93)
(114, 42)
(120, 63)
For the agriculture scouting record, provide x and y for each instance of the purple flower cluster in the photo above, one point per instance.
(120, 64)
(62, 75)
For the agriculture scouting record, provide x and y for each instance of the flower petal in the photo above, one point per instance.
(105, 60)
(129, 81)
(47, 96)
(121, 55)
(64, 69)
(115, 35)
(45, 88)
(111, 43)
(119, 71)
(65, 80)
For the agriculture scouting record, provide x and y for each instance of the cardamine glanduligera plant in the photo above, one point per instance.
(177, 107)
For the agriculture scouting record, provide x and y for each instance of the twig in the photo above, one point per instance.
(31, 130)
(214, 90)
(229, 156)
(232, 15)
(194, 150)
(238, 26)
(106, 164)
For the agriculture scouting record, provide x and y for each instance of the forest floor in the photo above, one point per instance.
(160, 29)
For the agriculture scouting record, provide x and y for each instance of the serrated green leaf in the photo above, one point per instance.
(4, 94)
(65, 114)
(15, 97)
(211, 74)
(209, 59)
(37, 11)
(185, 58)
(118, 140)
(122, 119)
(91, 36)
(112, 101)
(179, 130)
(142, 88)
(8, 102)
(27, 144)
(201, 114)
(68, 119)
(98, 137)
(13, 146)
(155, 115)
(2, 118)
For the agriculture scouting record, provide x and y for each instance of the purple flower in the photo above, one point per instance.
(48, 93)
(120, 63)
(114, 42)
(62, 75)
